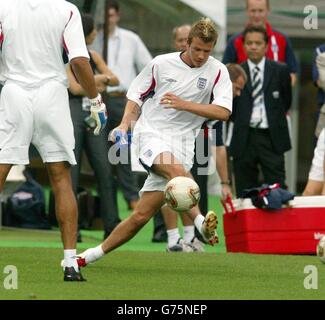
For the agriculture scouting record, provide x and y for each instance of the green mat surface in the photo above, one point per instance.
(141, 269)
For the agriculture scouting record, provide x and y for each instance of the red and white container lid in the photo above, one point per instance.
(297, 202)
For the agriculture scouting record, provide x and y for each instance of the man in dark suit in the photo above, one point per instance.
(261, 136)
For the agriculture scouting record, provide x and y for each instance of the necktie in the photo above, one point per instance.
(257, 85)
(257, 95)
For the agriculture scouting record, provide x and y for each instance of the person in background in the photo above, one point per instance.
(180, 36)
(238, 77)
(34, 103)
(126, 56)
(279, 47)
(261, 135)
(96, 147)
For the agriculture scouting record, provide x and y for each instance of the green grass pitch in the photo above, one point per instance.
(143, 270)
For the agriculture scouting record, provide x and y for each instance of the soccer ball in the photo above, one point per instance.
(182, 193)
(321, 249)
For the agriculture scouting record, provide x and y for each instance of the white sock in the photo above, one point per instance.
(70, 259)
(173, 236)
(188, 233)
(198, 222)
(94, 254)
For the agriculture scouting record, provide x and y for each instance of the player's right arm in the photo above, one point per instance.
(140, 89)
(131, 115)
(75, 47)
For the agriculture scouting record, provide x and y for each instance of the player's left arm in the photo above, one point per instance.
(209, 111)
(76, 49)
(220, 107)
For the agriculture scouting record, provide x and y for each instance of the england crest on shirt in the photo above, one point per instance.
(201, 83)
(148, 153)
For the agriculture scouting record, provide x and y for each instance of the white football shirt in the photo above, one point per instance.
(207, 84)
(33, 35)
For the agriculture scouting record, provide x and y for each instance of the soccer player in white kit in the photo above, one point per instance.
(169, 101)
(34, 105)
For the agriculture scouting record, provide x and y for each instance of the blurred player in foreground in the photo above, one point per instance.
(169, 101)
(34, 103)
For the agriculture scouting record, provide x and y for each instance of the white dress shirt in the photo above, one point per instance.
(127, 56)
(258, 112)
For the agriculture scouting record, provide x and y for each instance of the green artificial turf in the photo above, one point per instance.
(141, 242)
(141, 269)
(159, 275)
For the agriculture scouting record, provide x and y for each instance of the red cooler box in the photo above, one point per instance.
(295, 229)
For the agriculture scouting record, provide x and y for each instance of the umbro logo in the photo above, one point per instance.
(170, 80)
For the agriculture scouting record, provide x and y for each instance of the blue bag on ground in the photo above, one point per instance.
(25, 208)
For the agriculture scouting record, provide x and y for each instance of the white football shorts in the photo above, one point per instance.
(36, 115)
(316, 172)
(148, 146)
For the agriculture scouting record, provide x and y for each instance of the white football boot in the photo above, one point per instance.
(209, 228)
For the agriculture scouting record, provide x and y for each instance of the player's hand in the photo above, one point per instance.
(98, 113)
(170, 100)
(102, 81)
(119, 135)
(225, 191)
